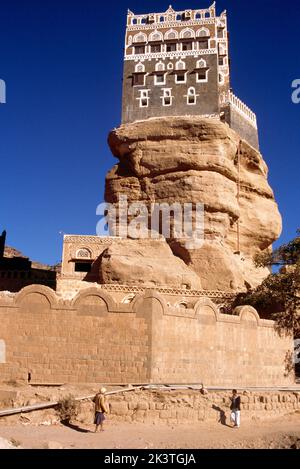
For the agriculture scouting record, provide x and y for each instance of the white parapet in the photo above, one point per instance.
(239, 106)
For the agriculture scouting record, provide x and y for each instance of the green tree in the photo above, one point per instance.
(278, 297)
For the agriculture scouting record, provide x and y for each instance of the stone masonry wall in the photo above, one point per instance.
(92, 338)
(174, 407)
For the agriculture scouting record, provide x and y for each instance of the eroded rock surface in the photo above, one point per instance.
(196, 160)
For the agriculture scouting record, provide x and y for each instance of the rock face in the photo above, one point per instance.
(196, 160)
(147, 262)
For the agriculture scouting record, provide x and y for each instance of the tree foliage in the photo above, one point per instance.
(278, 297)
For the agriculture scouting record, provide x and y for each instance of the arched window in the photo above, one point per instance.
(167, 97)
(161, 19)
(140, 37)
(178, 18)
(180, 65)
(139, 68)
(221, 79)
(203, 32)
(207, 14)
(160, 67)
(201, 63)
(134, 21)
(191, 96)
(160, 77)
(203, 36)
(156, 36)
(83, 253)
(170, 66)
(180, 76)
(187, 33)
(171, 34)
(198, 16)
(202, 71)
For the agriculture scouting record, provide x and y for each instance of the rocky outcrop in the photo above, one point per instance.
(196, 160)
(147, 262)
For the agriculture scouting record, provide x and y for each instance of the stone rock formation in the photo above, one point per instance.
(198, 160)
(147, 262)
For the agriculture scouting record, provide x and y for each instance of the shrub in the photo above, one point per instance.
(67, 408)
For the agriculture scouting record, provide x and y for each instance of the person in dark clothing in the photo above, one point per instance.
(235, 408)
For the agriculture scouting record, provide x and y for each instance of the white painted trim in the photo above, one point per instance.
(185, 30)
(171, 55)
(144, 94)
(142, 68)
(159, 33)
(157, 69)
(159, 83)
(199, 31)
(173, 31)
(189, 94)
(180, 82)
(166, 95)
(136, 36)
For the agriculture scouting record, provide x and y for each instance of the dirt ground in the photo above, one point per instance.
(271, 434)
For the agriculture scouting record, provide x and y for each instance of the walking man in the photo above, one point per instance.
(101, 408)
(235, 408)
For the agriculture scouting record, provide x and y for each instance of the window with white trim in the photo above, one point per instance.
(144, 98)
(187, 45)
(203, 32)
(202, 72)
(167, 97)
(138, 79)
(140, 37)
(155, 48)
(203, 43)
(180, 77)
(156, 36)
(138, 50)
(160, 79)
(139, 68)
(180, 65)
(160, 67)
(171, 47)
(171, 34)
(220, 33)
(191, 97)
(221, 79)
(187, 33)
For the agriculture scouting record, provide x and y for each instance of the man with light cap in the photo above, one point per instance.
(101, 408)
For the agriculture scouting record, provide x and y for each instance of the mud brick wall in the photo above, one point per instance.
(94, 338)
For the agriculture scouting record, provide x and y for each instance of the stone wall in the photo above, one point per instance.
(243, 128)
(169, 407)
(94, 338)
(175, 407)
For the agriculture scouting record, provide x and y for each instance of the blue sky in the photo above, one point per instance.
(62, 63)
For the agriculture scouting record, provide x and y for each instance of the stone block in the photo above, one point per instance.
(119, 408)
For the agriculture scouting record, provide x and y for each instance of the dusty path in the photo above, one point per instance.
(279, 433)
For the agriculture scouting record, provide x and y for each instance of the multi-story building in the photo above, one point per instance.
(177, 64)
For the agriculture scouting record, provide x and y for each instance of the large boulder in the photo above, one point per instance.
(145, 262)
(196, 160)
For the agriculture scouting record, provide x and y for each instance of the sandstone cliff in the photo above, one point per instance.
(191, 160)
